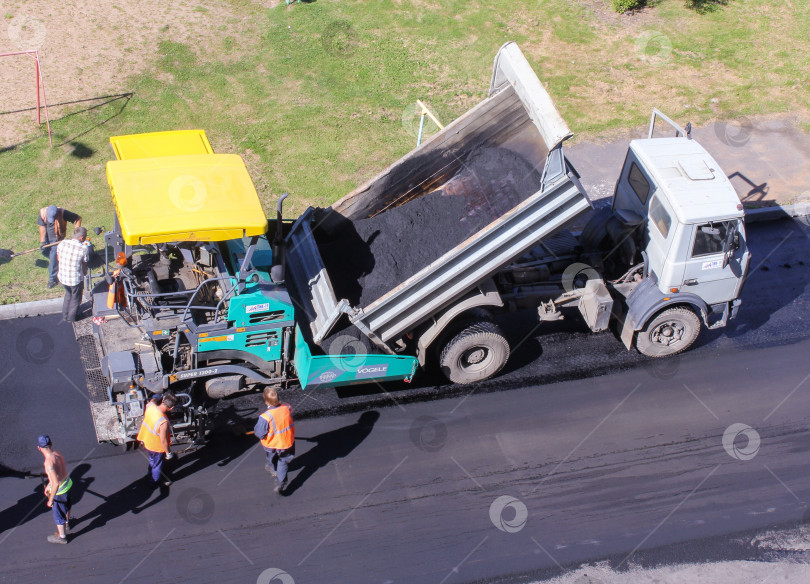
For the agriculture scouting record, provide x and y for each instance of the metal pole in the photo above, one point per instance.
(44, 98)
(40, 84)
(421, 127)
(36, 68)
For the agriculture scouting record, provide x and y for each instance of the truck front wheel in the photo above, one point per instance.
(476, 353)
(673, 330)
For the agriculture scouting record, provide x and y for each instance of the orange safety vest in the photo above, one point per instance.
(116, 294)
(281, 433)
(148, 434)
(59, 224)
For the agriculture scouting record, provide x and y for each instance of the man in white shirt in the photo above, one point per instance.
(72, 258)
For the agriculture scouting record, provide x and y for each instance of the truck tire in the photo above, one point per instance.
(476, 353)
(670, 332)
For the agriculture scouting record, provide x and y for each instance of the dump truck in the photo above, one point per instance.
(205, 298)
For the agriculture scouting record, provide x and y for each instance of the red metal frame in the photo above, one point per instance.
(40, 88)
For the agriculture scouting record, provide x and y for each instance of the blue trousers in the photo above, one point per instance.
(53, 265)
(280, 460)
(61, 508)
(155, 464)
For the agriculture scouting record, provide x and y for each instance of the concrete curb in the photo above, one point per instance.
(36, 308)
(54, 306)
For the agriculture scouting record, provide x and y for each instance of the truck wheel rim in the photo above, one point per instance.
(475, 358)
(668, 333)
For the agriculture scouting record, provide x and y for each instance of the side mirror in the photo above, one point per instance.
(277, 274)
(731, 244)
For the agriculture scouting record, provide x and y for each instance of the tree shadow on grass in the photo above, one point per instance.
(706, 6)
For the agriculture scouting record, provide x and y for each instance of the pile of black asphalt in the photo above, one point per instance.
(369, 257)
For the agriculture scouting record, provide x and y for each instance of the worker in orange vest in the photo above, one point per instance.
(276, 430)
(154, 434)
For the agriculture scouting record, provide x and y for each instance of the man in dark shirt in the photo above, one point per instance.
(52, 221)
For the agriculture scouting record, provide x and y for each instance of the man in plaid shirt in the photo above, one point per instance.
(72, 256)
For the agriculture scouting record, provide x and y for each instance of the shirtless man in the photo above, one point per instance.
(58, 488)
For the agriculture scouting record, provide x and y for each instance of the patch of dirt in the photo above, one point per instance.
(91, 50)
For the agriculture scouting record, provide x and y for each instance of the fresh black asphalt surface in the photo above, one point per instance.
(580, 451)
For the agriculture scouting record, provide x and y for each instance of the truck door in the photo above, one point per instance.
(705, 273)
(661, 232)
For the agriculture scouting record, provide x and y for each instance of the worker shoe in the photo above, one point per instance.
(279, 490)
(56, 539)
(52, 283)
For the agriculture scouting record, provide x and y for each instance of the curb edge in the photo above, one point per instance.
(28, 309)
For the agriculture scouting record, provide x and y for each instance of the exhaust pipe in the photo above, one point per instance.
(277, 269)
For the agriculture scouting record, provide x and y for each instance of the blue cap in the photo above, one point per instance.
(50, 213)
(44, 441)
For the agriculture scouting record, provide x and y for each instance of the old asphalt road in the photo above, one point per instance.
(620, 458)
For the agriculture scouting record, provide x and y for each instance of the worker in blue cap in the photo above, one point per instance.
(52, 222)
(58, 488)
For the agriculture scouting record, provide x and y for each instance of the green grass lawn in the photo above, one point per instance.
(318, 97)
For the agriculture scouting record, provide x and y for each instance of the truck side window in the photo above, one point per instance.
(638, 183)
(709, 239)
(660, 217)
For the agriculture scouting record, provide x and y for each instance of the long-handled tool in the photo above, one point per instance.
(7, 253)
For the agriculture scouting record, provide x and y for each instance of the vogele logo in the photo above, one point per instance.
(371, 371)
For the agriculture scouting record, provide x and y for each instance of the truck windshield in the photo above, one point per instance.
(709, 238)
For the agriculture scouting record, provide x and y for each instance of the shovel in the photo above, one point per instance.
(7, 253)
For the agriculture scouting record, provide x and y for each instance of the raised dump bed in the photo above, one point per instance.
(443, 219)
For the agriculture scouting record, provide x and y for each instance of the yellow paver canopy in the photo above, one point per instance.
(160, 144)
(191, 197)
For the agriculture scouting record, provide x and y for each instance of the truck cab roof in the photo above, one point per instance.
(689, 178)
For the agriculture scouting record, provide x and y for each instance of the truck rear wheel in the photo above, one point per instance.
(673, 330)
(476, 353)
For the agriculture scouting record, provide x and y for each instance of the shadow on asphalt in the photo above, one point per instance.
(227, 441)
(33, 505)
(24, 510)
(133, 498)
(330, 446)
(760, 299)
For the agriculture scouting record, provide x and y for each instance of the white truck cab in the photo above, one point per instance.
(695, 230)
(676, 206)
